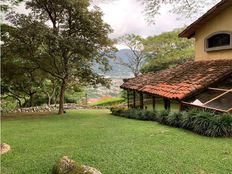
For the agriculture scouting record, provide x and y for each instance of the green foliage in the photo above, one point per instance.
(187, 9)
(174, 119)
(222, 125)
(162, 116)
(66, 49)
(167, 50)
(70, 99)
(188, 118)
(138, 55)
(134, 113)
(123, 94)
(199, 121)
(21, 80)
(8, 103)
(109, 101)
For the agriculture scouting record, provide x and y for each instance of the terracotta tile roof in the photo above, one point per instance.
(181, 81)
(214, 11)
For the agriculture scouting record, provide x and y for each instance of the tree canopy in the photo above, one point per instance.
(137, 58)
(185, 8)
(168, 50)
(63, 38)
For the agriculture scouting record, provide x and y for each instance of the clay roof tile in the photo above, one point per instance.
(181, 81)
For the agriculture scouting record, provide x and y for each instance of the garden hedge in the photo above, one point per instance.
(200, 121)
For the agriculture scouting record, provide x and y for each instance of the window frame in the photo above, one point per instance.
(218, 48)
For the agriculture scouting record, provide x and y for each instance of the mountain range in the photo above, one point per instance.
(116, 74)
(118, 71)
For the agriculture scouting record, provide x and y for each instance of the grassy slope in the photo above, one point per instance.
(108, 101)
(112, 144)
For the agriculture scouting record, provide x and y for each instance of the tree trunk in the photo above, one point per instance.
(49, 100)
(19, 102)
(56, 98)
(61, 102)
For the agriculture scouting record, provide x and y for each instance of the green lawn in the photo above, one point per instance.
(112, 144)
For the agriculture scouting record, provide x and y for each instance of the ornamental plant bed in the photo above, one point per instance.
(200, 121)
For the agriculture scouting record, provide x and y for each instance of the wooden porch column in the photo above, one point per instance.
(134, 99)
(141, 100)
(181, 106)
(128, 99)
(167, 104)
(153, 102)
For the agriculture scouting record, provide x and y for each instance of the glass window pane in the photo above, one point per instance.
(219, 40)
(224, 102)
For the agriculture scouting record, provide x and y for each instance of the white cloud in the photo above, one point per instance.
(125, 16)
(120, 46)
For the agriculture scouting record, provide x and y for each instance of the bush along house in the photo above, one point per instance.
(205, 82)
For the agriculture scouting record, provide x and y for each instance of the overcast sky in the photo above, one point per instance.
(126, 17)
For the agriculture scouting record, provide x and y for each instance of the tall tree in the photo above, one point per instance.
(20, 81)
(136, 57)
(168, 49)
(64, 38)
(49, 87)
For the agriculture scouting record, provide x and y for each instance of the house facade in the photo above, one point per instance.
(211, 26)
(205, 82)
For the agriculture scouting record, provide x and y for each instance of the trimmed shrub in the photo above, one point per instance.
(134, 113)
(203, 121)
(200, 121)
(188, 119)
(147, 115)
(174, 119)
(117, 111)
(221, 126)
(162, 116)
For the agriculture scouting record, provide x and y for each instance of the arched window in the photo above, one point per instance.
(218, 41)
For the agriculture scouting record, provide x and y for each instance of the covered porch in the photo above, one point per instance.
(151, 102)
(201, 84)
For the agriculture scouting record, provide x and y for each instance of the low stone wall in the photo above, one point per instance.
(53, 108)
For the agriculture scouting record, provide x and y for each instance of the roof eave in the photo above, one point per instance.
(189, 32)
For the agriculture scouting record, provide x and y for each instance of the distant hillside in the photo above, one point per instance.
(117, 74)
(118, 70)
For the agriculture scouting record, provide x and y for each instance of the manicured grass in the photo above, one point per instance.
(112, 144)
